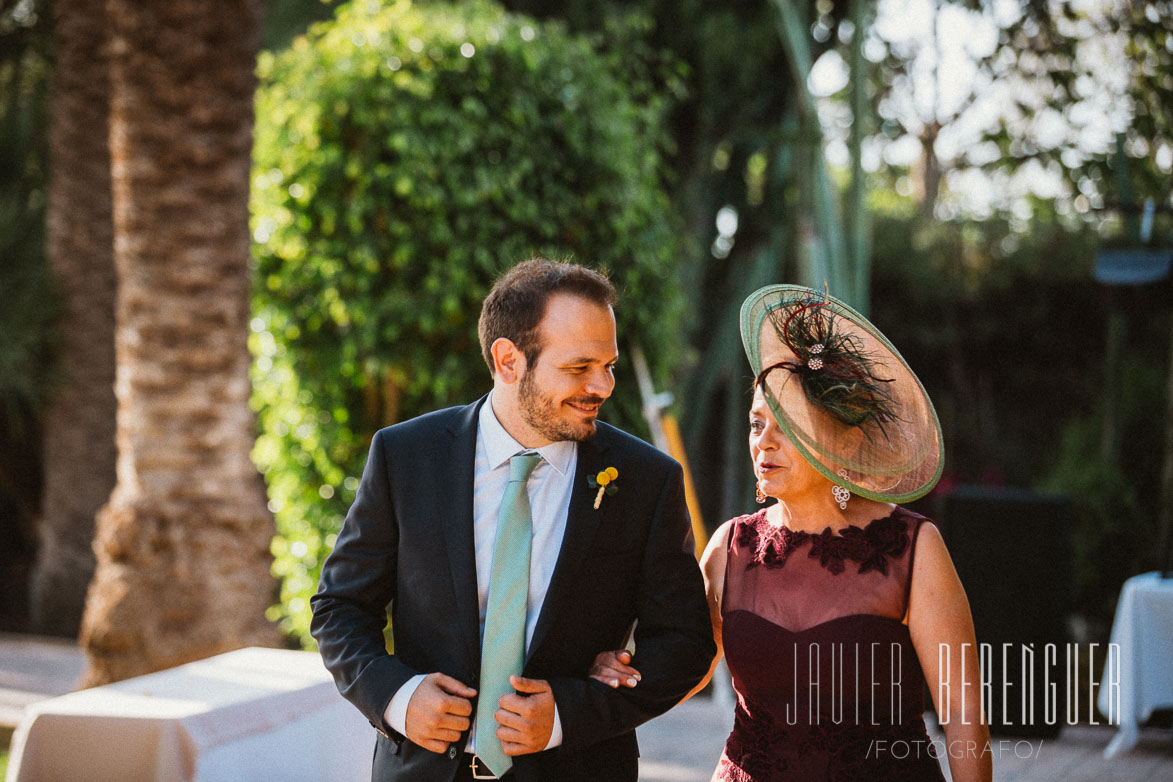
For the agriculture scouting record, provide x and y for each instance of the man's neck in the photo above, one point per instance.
(508, 413)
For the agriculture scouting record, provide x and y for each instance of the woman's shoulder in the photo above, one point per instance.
(899, 511)
(719, 540)
(929, 551)
(909, 520)
(742, 528)
(734, 529)
(746, 520)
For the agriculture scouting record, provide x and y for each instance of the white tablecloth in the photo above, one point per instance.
(252, 714)
(1143, 627)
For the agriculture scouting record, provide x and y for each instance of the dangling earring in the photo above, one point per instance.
(761, 498)
(841, 494)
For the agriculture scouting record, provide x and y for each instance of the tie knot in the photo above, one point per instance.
(522, 466)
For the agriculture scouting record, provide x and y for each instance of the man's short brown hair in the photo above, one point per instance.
(516, 304)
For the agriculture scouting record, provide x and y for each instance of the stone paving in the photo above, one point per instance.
(34, 668)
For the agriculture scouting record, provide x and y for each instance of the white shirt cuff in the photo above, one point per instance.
(396, 713)
(556, 732)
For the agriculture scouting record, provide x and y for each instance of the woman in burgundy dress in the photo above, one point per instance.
(833, 606)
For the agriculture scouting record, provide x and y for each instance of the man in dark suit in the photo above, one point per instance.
(425, 536)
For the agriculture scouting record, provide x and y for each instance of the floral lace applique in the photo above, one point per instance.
(771, 548)
(871, 546)
(752, 750)
(760, 749)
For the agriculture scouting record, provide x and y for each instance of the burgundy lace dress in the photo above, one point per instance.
(827, 680)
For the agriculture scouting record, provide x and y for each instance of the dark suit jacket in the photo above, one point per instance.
(407, 542)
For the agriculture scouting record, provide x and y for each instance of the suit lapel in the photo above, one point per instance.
(581, 522)
(455, 505)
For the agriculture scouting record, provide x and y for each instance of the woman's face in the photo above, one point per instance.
(780, 470)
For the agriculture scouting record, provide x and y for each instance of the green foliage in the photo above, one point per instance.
(1114, 534)
(26, 321)
(27, 308)
(736, 144)
(1008, 333)
(286, 19)
(406, 155)
(1005, 330)
(1145, 30)
(5, 744)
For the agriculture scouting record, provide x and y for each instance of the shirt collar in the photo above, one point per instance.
(500, 446)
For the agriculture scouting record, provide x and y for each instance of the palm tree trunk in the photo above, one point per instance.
(78, 428)
(183, 544)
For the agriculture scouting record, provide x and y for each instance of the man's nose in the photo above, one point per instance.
(600, 383)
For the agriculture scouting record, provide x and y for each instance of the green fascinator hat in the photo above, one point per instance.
(842, 393)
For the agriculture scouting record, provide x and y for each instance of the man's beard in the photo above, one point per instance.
(541, 413)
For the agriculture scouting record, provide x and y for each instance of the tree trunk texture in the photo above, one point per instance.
(183, 544)
(927, 184)
(78, 429)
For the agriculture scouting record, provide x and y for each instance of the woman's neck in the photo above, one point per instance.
(814, 514)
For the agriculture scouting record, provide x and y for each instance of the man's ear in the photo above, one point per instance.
(508, 361)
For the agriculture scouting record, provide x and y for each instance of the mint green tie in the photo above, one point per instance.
(503, 650)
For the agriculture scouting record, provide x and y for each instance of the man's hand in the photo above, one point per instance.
(438, 712)
(525, 721)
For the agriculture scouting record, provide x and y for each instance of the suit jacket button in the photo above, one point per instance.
(451, 752)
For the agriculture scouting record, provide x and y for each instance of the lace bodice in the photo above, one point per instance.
(871, 546)
(823, 666)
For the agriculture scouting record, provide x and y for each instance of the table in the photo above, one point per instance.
(250, 714)
(1143, 628)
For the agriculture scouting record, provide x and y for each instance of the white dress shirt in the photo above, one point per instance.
(549, 489)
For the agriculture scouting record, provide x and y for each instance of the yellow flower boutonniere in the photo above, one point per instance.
(605, 480)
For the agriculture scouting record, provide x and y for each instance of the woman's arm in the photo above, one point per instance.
(941, 627)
